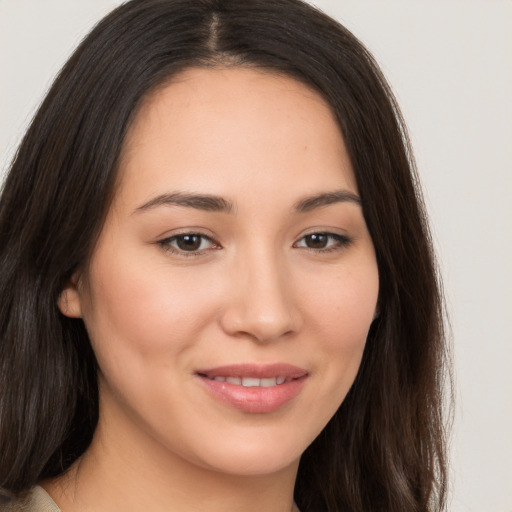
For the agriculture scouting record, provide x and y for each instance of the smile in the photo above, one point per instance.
(254, 388)
(252, 382)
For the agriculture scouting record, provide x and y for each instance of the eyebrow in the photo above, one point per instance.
(206, 202)
(325, 199)
(213, 203)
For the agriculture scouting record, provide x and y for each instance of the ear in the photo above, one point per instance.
(69, 301)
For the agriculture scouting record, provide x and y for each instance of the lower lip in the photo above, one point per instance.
(255, 399)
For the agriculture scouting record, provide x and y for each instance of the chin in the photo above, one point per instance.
(251, 464)
(262, 456)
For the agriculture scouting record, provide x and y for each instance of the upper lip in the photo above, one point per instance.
(258, 371)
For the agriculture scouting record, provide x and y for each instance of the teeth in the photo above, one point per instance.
(252, 382)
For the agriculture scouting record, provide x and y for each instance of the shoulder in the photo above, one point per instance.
(37, 500)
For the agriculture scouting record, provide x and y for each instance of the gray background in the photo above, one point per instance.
(450, 64)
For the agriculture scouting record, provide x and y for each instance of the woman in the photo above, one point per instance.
(219, 288)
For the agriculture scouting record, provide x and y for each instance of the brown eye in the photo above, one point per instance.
(188, 244)
(317, 241)
(323, 242)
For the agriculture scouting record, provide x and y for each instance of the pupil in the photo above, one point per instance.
(317, 241)
(189, 242)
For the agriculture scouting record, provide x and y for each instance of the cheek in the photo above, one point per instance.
(340, 318)
(338, 313)
(344, 309)
(139, 310)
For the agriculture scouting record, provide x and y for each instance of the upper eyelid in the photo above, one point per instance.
(189, 233)
(186, 233)
(325, 231)
(342, 238)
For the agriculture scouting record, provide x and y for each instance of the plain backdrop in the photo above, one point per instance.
(450, 65)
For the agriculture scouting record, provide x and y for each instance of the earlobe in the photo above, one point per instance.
(69, 301)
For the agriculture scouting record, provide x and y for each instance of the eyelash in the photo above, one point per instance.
(340, 242)
(166, 244)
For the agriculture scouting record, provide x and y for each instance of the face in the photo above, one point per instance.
(232, 287)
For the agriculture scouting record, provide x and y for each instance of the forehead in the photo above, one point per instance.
(219, 128)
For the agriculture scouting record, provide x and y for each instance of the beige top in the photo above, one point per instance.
(38, 500)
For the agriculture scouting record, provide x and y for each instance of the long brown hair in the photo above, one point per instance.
(385, 447)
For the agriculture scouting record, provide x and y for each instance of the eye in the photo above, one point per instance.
(323, 241)
(188, 244)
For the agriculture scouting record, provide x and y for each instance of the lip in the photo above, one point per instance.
(254, 399)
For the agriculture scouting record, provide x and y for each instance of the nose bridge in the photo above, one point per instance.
(262, 304)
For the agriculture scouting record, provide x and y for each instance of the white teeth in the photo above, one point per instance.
(252, 382)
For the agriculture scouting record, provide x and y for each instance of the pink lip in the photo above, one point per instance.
(254, 399)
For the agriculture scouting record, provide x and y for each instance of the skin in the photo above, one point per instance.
(254, 291)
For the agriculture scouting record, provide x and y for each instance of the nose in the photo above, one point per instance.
(261, 303)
